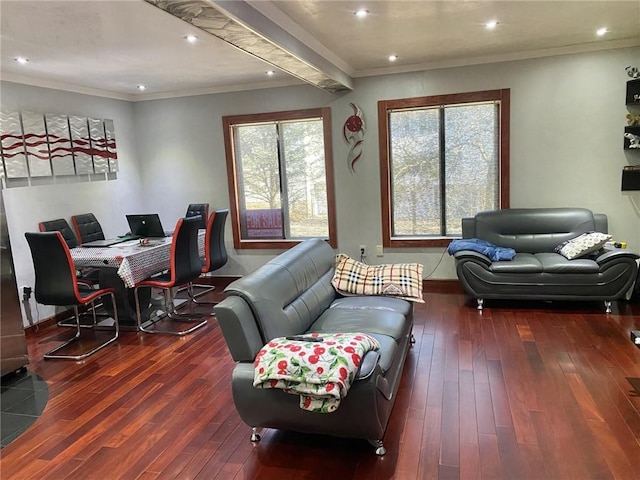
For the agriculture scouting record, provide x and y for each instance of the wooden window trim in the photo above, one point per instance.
(227, 126)
(502, 95)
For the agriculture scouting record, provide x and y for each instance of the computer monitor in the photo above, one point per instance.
(146, 225)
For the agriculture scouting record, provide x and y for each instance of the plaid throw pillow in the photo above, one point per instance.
(401, 280)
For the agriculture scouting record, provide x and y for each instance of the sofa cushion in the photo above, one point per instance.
(402, 280)
(582, 245)
(374, 303)
(348, 320)
(555, 263)
(521, 263)
(544, 262)
(385, 354)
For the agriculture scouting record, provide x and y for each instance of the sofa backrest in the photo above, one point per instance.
(288, 293)
(532, 230)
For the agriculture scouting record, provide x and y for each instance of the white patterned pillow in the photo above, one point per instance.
(582, 245)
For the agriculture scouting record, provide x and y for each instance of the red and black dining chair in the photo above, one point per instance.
(215, 254)
(199, 209)
(184, 267)
(88, 277)
(87, 228)
(56, 284)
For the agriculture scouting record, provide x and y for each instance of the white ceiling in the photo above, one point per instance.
(109, 47)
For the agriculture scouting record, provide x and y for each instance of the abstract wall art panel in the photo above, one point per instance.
(81, 145)
(42, 145)
(59, 144)
(35, 144)
(110, 136)
(14, 158)
(98, 146)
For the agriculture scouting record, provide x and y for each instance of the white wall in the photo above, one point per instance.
(567, 120)
(61, 197)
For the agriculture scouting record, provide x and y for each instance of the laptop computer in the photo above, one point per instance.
(147, 225)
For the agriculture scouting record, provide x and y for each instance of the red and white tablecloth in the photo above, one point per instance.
(133, 261)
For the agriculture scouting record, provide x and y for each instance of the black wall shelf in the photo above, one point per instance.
(633, 92)
(627, 141)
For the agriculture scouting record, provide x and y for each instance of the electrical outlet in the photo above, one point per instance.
(26, 292)
(379, 251)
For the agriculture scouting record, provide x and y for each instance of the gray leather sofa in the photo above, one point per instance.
(536, 272)
(292, 295)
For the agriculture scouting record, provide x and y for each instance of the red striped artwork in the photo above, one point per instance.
(35, 145)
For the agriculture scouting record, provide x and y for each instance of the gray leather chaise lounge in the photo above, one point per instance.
(537, 272)
(293, 295)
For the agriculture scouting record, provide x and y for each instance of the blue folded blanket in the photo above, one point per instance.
(494, 252)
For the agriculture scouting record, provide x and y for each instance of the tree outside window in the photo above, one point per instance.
(442, 158)
(281, 177)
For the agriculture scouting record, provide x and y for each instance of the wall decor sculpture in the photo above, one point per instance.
(14, 157)
(353, 132)
(42, 145)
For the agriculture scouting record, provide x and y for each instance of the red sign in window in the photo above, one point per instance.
(264, 223)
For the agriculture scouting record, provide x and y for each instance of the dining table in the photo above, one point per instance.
(122, 265)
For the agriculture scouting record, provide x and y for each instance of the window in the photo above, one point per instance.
(280, 178)
(442, 158)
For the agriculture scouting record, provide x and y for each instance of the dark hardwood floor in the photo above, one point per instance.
(523, 390)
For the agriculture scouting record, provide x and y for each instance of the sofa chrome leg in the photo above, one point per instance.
(607, 306)
(255, 437)
(377, 444)
(480, 303)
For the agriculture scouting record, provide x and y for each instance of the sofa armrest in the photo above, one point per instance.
(473, 256)
(615, 254)
(368, 365)
(239, 328)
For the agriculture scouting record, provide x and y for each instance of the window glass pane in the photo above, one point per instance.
(306, 189)
(259, 185)
(415, 172)
(471, 156)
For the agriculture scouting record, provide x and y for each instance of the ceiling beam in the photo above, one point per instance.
(242, 26)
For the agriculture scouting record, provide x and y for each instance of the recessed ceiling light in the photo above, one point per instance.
(21, 60)
(271, 72)
(491, 25)
(142, 87)
(361, 13)
(601, 31)
(393, 58)
(191, 38)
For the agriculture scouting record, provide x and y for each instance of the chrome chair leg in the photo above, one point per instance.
(194, 296)
(170, 313)
(52, 353)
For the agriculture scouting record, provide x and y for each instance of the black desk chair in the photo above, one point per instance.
(215, 253)
(57, 284)
(202, 209)
(87, 227)
(184, 267)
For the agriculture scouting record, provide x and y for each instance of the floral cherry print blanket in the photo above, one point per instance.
(318, 367)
